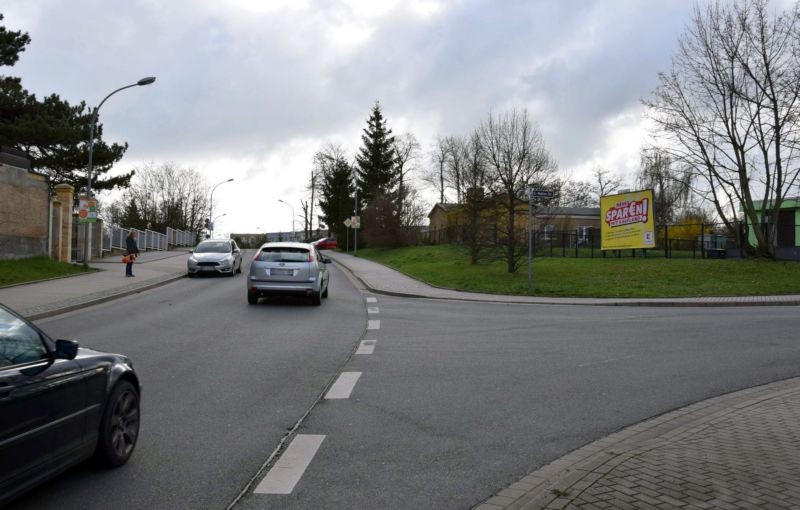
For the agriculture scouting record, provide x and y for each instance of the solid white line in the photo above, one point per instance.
(373, 309)
(343, 386)
(285, 474)
(373, 324)
(372, 300)
(366, 347)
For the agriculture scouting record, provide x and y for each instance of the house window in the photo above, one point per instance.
(584, 234)
(546, 232)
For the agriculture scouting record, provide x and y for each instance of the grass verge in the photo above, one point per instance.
(448, 266)
(35, 268)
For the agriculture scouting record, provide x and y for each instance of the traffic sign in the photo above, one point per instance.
(347, 222)
(541, 193)
(355, 221)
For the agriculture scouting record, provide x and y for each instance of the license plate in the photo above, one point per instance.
(281, 272)
(207, 268)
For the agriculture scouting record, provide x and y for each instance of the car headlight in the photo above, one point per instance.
(192, 260)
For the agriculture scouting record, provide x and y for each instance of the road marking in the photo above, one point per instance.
(373, 309)
(372, 300)
(366, 347)
(285, 474)
(343, 386)
(373, 324)
(602, 362)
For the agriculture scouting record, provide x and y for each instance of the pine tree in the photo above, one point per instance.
(376, 159)
(336, 197)
(53, 134)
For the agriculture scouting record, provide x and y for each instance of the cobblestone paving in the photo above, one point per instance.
(737, 451)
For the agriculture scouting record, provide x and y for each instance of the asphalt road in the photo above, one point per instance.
(457, 401)
(223, 382)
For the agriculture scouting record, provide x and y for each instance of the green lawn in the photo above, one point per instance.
(36, 268)
(448, 266)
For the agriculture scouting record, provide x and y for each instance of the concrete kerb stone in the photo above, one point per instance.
(578, 470)
(92, 300)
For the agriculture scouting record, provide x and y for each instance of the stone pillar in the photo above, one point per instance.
(55, 250)
(64, 194)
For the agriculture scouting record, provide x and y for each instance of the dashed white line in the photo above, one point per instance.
(343, 386)
(285, 474)
(372, 300)
(373, 324)
(373, 309)
(366, 347)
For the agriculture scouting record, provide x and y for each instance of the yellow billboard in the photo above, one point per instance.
(627, 221)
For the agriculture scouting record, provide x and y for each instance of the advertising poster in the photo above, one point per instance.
(87, 209)
(627, 222)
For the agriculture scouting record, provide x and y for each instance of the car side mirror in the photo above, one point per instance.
(66, 349)
(326, 260)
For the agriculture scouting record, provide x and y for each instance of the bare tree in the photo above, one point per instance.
(435, 176)
(578, 194)
(728, 109)
(606, 182)
(406, 150)
(516, 155)
(474, 182)
(671, 186)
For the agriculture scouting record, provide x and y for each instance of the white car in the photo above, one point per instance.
(215, 256)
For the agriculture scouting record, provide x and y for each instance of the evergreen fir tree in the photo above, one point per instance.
(336, 197)
(376, 159)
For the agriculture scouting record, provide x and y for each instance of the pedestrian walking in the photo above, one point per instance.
(132, 252)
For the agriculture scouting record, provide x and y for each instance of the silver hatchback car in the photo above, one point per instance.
(288, 268)
(215, 256)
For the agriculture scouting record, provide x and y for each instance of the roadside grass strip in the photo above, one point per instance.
(366, 347)
(285, 474)
(373, 324)
(343, 386)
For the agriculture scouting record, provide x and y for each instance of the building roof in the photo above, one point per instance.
(443, 206)
(590, 212)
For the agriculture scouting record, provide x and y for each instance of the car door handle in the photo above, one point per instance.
(5, 390)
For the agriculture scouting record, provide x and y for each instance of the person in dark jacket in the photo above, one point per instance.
(132, 251)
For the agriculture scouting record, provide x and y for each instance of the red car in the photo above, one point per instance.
(326, 243)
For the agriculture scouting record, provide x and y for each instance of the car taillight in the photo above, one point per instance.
(310, 257)
(258, 253)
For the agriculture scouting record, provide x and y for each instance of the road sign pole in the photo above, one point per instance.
(530, 237)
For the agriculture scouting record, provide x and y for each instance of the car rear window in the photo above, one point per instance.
(283, 254)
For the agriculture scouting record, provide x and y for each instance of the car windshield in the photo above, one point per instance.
(213, 248)
(283, 254)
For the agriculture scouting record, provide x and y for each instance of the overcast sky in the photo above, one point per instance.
(250, 89)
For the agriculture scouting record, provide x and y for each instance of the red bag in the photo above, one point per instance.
(127, 259)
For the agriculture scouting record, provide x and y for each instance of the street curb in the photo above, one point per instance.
(610, 301)
(85, 273)
(104, 299)
(558, 483)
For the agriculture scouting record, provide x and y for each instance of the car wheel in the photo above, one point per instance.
(252, 298)
(190, 275)
(119, 427)
(316, 300)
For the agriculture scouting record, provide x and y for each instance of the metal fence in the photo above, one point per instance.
(697, 240)
(114, 239)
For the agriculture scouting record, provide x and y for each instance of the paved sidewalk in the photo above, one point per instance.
(51, 297)
(736, 451)
(383, 280)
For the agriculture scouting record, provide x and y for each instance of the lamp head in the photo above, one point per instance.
(146, 81)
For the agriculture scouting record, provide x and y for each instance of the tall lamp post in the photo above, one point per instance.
(211, 206)
(87, 225)
(292, 208)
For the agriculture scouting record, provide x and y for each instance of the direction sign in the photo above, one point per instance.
(541, 193)
(347, 222)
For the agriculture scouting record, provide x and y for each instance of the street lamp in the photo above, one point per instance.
(292, 208)
(144, 81)
(211, 206)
